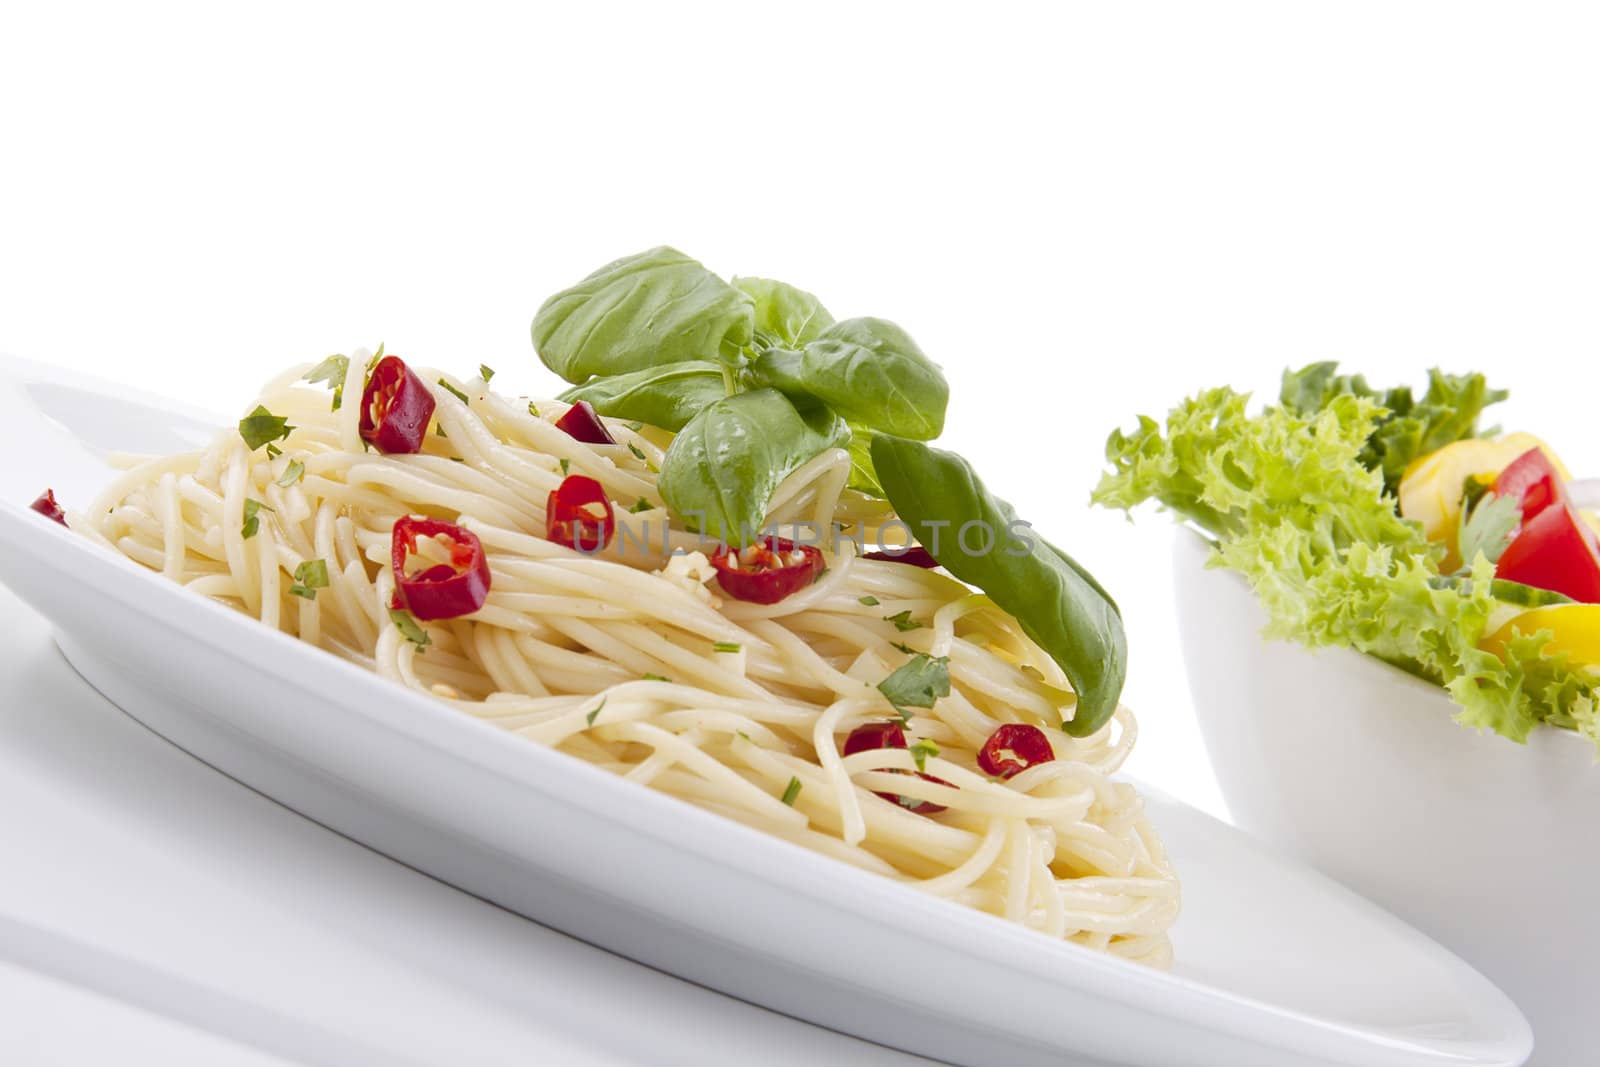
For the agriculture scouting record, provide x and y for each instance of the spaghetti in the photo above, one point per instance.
(630, 659)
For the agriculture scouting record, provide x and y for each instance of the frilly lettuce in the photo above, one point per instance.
(1297, 499)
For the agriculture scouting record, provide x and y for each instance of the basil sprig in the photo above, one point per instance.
(659, 338)
(978, 538)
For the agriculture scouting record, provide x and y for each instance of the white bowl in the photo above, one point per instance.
(1358, 767)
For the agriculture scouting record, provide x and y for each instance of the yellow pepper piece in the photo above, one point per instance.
(1576, 628)
(1430, 491)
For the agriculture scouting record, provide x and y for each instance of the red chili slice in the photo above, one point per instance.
(582, 423)
(1013, 748)
(876, 735)
(767, 571)
(578, 515)
(916, 556)
(444, 590)
(46, 505)
(396, 408)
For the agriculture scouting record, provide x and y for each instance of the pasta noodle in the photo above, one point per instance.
(630, 659)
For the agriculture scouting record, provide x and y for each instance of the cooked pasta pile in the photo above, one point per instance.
(630, 658)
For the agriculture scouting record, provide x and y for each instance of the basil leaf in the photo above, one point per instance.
(783, 314)
(667, 397)
(721, 471)
(1059, 605)
(647, 310)
(868, 370)
(863, 477)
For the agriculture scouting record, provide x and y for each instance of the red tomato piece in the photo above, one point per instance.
(1555, 550)
(1533, 480)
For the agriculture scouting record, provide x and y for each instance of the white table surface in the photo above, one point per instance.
(154, 911)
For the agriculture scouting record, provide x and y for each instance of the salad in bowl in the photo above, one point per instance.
(1391, 524)
(1363, 573)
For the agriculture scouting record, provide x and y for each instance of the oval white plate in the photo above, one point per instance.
(1276, 964)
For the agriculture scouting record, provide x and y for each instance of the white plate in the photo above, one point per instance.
(1276, 964)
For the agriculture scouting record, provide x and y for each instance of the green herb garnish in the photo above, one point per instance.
(252, 518)
(453, 391)
(409, 629)
(642, 505)
(726, 646)
(262, 427)
(791, 792)
(922, 750)
(903, 621)
(591, 716)
(291, 474)
(656, 678)
(918, 683)
(566, 467)
(331, 371)
(869, 601)
(485, 372)
(637, 454)
(310, 576)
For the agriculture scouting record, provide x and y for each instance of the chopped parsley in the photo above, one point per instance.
(453, 391)
(566, 465)
(903, 621)
(922, 750)
(291, 474)
(918, 683)
(485, 372)
(309, 577)
(656, 678)
(409, 629)
(793, 791)
(533, 410)
(273, 451)
(331, 371)
(635, 426)
(638, 455)
(726, 646)
(262, 427)
(252, 518)
(642, 505)
(591, 716)
(869, 601)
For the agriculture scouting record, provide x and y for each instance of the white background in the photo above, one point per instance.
(1082, 212)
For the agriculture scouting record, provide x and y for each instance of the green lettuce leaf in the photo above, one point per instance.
(1408, 428)
(1296, 509)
